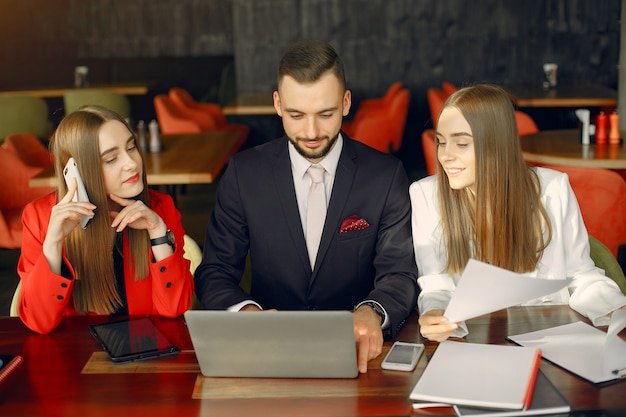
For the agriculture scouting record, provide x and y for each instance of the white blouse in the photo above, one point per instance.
(591, 293)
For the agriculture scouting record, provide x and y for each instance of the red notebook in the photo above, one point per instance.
(478, 375)
(8, 365)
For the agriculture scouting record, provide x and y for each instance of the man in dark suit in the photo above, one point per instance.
(364, 260)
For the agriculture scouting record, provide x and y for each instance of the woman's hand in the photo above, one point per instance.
(64, 217)
(136, 215)
(433, 326)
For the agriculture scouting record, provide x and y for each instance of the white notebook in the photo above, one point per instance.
(478, 375)
(547, 400)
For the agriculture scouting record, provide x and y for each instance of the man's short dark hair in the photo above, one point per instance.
(307, 61)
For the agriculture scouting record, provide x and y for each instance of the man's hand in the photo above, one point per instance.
(250, 307)
(368, 335)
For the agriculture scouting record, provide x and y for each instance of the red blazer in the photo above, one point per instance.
(45, 297)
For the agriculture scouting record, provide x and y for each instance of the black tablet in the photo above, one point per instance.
(132, 339)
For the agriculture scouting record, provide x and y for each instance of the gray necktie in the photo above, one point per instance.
(316, 211)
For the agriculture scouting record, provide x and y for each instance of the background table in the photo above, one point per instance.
(586, 95)
(563, 147)
(66, 374)
(58, 91)
(251, 103)
(186, 159)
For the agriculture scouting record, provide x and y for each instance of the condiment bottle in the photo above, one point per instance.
(614, 136)
(601, 129)
(155, 142)
(141, 132)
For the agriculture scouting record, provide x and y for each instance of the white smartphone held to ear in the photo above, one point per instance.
(403, 356)
(71, 171)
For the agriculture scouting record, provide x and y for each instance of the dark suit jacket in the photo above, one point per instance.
(256, 211)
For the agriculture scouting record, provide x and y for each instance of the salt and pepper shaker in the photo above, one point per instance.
(583, 117)
(141, 132)
(614, 137)
(155, 142)
(601, 129)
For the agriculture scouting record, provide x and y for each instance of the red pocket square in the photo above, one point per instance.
(353, 223)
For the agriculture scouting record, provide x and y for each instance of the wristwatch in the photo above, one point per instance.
(168, 238)
(376, 307)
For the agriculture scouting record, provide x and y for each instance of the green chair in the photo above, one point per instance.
(15, 300)
(604, 259)
(24, 114)
(76, 98)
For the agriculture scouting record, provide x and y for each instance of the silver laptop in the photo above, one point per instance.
(274, 344)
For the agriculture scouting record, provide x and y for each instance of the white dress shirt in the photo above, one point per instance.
(591, 293)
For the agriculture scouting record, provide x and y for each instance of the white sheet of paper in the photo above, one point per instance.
(581, 348)
(484, 288)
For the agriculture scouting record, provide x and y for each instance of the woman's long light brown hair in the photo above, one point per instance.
(90, 251)
(505, 222)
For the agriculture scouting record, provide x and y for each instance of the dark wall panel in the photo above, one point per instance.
(423, 43)
(420, 42)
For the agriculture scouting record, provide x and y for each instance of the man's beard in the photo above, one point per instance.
(318, 154)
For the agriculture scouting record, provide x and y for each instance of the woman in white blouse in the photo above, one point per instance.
(486, 203)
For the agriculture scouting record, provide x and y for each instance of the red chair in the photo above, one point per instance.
(383, 128)
(429, 147)
(372, 104)
(601, 195)
(208, 116)
(22, 156)
(525, 124)
(448, 88)
(171, 120)
(436, 97)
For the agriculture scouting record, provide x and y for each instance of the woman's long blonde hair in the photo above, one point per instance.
(505, 222)
(90, 250)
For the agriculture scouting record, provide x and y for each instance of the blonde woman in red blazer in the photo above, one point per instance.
(128, 259)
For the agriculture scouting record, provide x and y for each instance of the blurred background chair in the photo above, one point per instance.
(208, 116)
(525, 124)
(601, 195)
(21, 157)
(171, 120)
(436, 97)
(372, 104)
(24, 114)
(604, 259)
(393, 89)
(429, 147)
(383, 128)
(448, 88)
(15, 300)
(184, 103)
(193, 253)
(78, 97)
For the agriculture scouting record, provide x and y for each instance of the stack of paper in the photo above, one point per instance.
(485, 288)
(488, 376)
(582, 349)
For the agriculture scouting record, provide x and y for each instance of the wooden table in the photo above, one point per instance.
(586, 95)
(66, 374)
(563, 147)
(251, 103)
(186, 159)
(129, 89)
